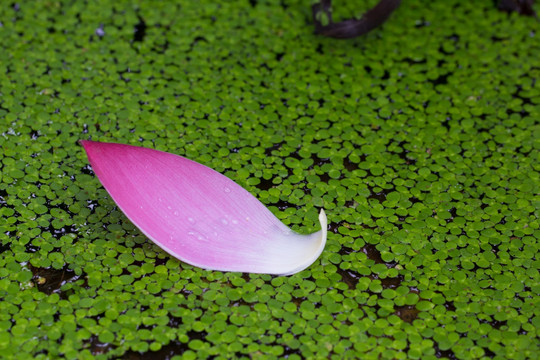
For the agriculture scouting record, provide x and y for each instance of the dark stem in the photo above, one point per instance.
(523, 7)
(352, 27)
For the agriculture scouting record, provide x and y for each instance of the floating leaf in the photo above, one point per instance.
(199, 215)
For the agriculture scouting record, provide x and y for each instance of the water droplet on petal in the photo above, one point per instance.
(191, 220)
(227, 190)
(176, 213)
(235, 222)
(224, 221)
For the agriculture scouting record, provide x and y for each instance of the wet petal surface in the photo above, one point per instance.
(199, 215)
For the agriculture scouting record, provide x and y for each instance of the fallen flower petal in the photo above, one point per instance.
(199, 215)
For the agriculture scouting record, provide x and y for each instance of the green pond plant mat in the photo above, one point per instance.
(420, 140)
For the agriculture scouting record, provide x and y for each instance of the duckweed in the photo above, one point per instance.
(420, 140)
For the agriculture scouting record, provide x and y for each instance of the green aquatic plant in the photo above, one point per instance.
(419, 139)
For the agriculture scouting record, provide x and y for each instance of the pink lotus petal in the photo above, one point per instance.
(199, 215)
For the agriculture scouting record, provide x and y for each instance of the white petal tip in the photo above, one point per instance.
(314, 246)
